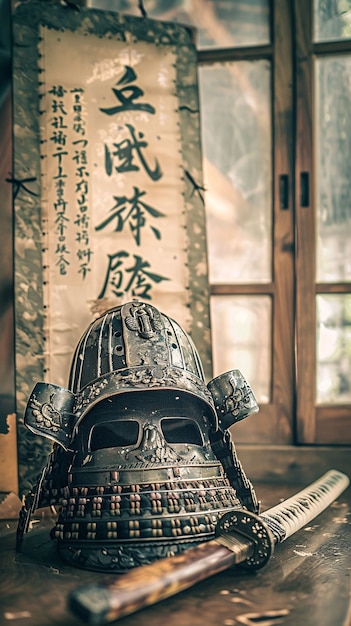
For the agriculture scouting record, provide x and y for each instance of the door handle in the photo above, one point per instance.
(304, 189)
(284, 191)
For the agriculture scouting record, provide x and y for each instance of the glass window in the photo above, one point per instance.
(236, 128)
(242, 339)
(332, 20)
(220, 23)
(333, 156)
(333, 349)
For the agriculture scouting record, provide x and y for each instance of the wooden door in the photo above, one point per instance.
(246, 106)
(323, 222)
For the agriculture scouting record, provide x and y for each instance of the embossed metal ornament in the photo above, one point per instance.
(143, 465)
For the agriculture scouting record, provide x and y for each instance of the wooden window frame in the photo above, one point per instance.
(316, 424)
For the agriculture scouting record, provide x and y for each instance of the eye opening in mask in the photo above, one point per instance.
(113, 434)
(181, 430)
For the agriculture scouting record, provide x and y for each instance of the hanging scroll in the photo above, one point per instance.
(108, 204)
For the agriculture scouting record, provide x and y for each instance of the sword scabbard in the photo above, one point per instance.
(142, 586)
(242, 537)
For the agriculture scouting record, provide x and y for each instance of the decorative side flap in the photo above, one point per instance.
(233, 397)
(49, 413)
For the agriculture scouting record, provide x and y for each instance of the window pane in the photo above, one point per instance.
(219, 24)
(241, 338)
(332, 20)
(333, 349)
(236, 128)
(333, 156)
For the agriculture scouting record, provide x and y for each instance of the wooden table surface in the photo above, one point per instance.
(306, 582)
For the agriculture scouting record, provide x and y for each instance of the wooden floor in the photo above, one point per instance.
(306, 582)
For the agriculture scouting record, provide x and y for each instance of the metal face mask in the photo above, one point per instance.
(143, 466)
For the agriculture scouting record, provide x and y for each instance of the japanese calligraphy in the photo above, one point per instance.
(125, 151)
(131, 209)
(135, 279)
(127, 96)
(80, 158)
(129, 155)
(59, 155)
(68, 137)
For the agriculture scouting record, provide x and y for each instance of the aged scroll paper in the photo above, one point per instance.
(113, 210)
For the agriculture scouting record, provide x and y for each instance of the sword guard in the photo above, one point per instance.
(250, 526)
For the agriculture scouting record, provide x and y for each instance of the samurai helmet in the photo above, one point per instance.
(143, 465)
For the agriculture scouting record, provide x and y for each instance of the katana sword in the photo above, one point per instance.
(241, 538)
